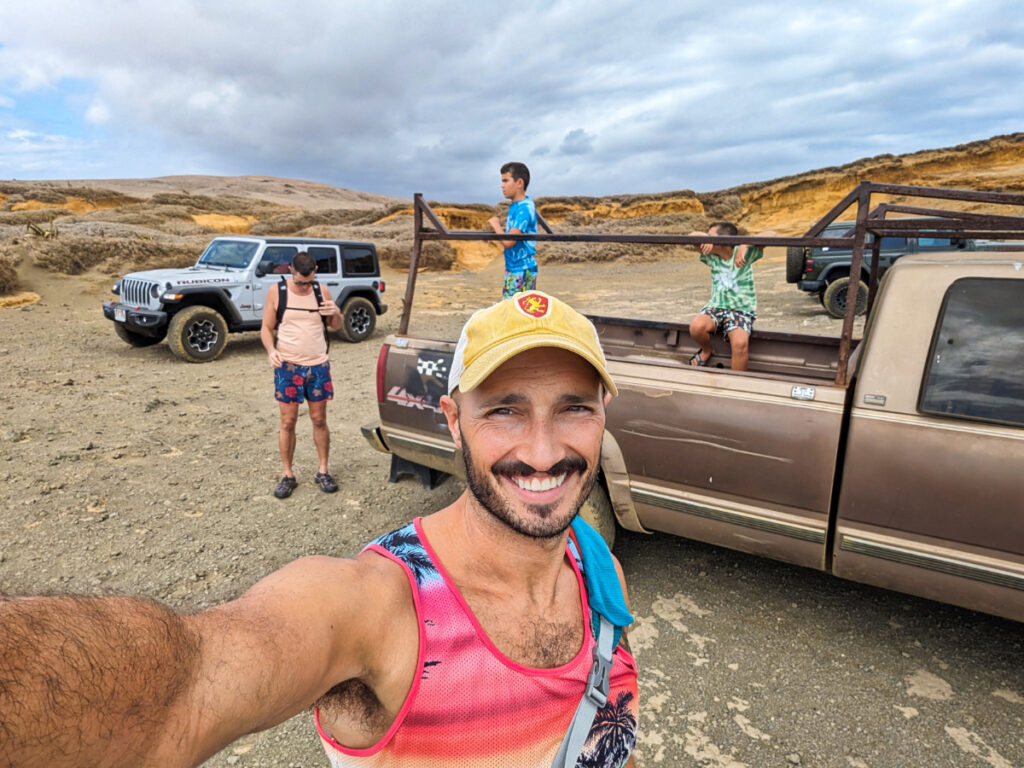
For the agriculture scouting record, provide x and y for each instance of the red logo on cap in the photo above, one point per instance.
(533, 304)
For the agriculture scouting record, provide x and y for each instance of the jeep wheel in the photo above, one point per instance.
(834, 299)
(794, 263)
(597, 510)
(358, 319)
(137, 339)
(197, 334)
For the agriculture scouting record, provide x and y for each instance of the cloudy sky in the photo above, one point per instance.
(402, 97)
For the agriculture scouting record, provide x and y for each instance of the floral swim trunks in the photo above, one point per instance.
(516, 282)
(728, 320)
(295, 383)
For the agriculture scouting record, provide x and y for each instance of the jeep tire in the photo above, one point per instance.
(358, 318)
(137, 339)
(834, 298)
(197, 334)
(794, 263)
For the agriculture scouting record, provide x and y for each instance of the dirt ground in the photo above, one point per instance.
(127, 471)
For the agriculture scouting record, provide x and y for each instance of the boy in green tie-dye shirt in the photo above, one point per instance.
(732, 308)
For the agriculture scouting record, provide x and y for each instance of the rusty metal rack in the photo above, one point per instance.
(935, 222)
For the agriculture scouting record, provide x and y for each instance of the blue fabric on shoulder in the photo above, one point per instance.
(603, 588)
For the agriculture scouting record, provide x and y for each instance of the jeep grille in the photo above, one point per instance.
(138, 292)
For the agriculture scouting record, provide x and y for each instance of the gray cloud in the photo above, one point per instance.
(577, 142)
(433, 97)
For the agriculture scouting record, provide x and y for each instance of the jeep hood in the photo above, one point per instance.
(177, 277)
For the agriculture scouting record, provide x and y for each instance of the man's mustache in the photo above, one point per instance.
(510, 467)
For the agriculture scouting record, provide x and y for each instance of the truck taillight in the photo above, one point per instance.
(382, 286)
(382, 364)
(809, 265)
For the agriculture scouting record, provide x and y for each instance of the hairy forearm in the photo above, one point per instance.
(90, 681)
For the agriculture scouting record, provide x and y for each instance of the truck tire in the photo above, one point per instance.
(834, 299)
(794, 263)
(597, 510)
(137, 339)
(358, 319)
(197, 334)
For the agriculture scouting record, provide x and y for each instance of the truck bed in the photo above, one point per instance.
(772, 353)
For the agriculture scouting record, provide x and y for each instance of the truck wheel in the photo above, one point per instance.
(794, 263)
(137, 339)
(197, 334)
(597, 510)
(358, 319)
(834, 298)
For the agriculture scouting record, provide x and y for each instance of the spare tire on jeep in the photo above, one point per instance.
(795, 255)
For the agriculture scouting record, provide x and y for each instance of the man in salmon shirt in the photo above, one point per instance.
(463, 638)
(298, 355)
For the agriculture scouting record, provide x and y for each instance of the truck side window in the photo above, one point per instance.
(934, 242)
(326, 259)
(977, 353)
(359, 261)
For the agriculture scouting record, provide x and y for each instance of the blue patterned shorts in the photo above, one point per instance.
(515, 282)
(295, 383)
(728, 320)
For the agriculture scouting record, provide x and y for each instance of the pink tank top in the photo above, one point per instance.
(300, 336)
(471, 706)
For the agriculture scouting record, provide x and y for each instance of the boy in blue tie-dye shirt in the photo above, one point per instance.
(520, 259)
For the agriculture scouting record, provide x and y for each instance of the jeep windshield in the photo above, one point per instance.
(228, 253)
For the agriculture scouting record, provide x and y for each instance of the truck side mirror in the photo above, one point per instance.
(264, 268)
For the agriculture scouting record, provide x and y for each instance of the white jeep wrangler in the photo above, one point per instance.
(224, 292)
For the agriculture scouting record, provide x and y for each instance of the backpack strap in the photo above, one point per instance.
(595, 697)
(282, 300)
(320, 300)
(608, 616)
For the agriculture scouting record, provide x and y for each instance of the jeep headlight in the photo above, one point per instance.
(116, 289)
(154, 290)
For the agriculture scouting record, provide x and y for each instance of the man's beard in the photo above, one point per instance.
(545, 524)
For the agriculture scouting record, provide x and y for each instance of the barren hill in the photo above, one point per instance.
(118, 225)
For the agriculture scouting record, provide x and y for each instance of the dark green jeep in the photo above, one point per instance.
(826, 271)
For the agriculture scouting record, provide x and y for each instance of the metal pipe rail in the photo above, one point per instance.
(936, 222)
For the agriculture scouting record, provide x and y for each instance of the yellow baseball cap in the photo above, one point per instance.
(528, 320)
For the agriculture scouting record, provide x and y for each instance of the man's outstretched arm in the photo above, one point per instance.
(75, 670)
(125, 682)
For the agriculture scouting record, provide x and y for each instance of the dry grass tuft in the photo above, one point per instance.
(74, 254)
(38, 216)
(9, 282)
(434, 255)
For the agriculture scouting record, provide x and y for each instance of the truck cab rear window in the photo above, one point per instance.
(976, 365)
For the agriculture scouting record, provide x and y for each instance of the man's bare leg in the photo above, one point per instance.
(286, 437)
(321, 434)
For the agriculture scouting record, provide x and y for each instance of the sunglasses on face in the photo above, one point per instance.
(302, 282)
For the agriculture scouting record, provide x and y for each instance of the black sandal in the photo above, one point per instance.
(699, 362)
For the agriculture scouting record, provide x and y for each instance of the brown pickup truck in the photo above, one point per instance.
(896, 460)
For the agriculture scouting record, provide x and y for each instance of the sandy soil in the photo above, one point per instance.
(125, 470)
